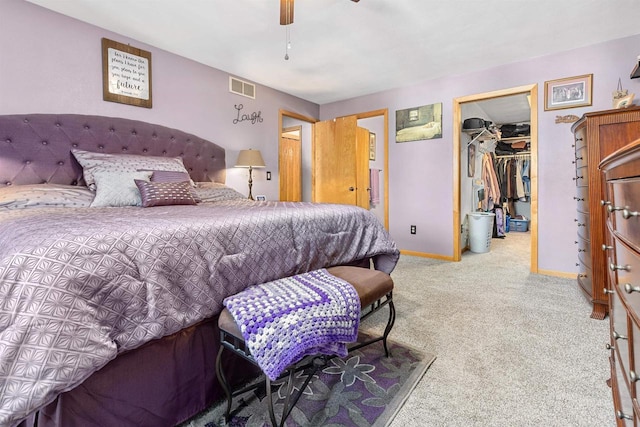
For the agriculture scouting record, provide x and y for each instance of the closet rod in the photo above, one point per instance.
(514, 155)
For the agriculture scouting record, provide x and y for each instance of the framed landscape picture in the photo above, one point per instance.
(569, 92)
(414, 124)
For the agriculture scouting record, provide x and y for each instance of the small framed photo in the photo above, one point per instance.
(261, 198)
(372, 146)
(569, 92)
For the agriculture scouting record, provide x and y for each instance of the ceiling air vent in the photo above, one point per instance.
(242, 88)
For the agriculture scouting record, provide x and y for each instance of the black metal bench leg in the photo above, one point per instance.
(387, 329)
(223, 382)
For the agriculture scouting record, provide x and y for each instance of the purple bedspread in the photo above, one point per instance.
(79, 286)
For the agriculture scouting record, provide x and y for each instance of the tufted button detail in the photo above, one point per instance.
(27, 162)
(7, 183)
(8, 140)
(164, 152)
(144, 150)
(124, 148)
(44, 142)
(57, 125)
(198, 156)
(173, 138)
(43, 182)
(112, 130)
(133, 132)
(74, 145)
(26, 120)
(60, 163)
(86, 127)
(154, 136)
(100, 147)
(181, 154)
(74, 182)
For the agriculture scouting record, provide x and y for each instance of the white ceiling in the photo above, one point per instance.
(341, 49)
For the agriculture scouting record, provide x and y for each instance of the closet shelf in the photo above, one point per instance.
(516, 138)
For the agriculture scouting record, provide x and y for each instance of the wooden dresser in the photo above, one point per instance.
(622, 261)
(597, 135)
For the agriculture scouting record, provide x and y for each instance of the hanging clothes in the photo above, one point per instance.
(374, 186)
(490, 181)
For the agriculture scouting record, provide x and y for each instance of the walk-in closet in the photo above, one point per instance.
(495, 181)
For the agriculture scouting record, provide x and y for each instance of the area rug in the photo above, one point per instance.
(363, 389)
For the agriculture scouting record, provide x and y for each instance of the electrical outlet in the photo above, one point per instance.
(413, 229)
(268, 175)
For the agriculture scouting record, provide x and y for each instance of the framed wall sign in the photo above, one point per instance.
(569, 92)
(126, 74)
(372, 146)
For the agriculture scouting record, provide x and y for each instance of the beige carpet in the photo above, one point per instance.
(514, 349)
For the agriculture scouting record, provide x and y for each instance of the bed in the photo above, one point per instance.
(108, 314)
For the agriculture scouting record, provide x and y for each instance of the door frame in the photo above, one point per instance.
(384, 113)
(285, 113)
(532, 92)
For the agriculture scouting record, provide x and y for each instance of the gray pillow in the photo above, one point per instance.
(118, 188)
(92, 162)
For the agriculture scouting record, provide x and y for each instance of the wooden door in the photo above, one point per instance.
(341, 162)
(290, 165)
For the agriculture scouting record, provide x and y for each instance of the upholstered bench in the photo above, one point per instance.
(374, 289)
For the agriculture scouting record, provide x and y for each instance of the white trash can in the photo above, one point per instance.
(480, 231)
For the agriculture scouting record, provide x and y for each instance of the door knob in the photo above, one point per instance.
(352, 189)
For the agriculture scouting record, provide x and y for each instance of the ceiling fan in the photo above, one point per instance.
(286, 11)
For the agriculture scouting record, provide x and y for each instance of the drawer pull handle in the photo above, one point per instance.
(629, 288)
(626, 213)
(617, 336)
(622, 416)
(582, 275)
(633, 376)
(612, 208)
(577, 178)
(578, 139)
(609, 347)
(579, 158)
(605, 203)
(606, 247)
(614, 267)
(582, 250)
(581, 225)
(608, 291)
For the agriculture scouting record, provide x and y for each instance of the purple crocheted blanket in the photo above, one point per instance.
(286, 319)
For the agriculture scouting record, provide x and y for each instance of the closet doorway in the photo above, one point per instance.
(463, 186)
(295, 148)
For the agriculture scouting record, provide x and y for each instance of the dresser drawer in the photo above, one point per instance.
(619, 330)
(583, 225)
(626, 194)
(581, 157)
(582, 198)
(582, 176)
(580, 139)
(621, 396)
(626, 269)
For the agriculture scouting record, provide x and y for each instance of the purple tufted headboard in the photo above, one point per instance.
(36, 148)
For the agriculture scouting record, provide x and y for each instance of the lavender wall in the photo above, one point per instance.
(50, 63)
(421, 178)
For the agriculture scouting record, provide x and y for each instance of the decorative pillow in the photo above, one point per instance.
(118, 188)
(45, 196)
(215, 192)
(165, 193)
(92, 162)
(170, 176)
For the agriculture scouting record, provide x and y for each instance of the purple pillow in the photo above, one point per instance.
(170, 176)
(165, 193)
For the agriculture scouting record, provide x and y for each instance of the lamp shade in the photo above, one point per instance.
(250, 158)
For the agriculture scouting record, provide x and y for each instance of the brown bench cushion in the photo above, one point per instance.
(371, 285)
